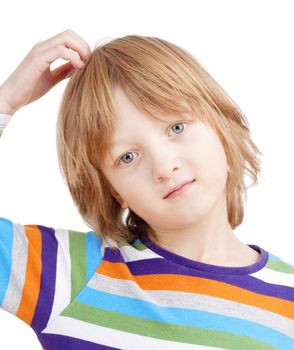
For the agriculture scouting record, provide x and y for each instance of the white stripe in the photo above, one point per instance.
(276, 277)
(63, 274)
(194, 301)
(131, 253)
(111, 337)
(18, 269)
(5, 119)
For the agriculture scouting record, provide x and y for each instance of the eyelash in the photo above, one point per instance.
(119, 159)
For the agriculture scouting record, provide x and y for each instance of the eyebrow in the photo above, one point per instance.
(172, 119)
(116, 143)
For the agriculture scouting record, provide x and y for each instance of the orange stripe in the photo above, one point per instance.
(199, 285)
(32, 283)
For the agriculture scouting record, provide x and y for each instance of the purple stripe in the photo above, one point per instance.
(57, 342)
(163, 266)
(174, 264)
(243, 270)
(113, 255)
(48, 278)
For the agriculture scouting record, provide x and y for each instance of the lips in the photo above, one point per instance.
(173, 189)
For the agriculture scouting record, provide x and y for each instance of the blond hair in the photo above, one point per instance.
(160, 78)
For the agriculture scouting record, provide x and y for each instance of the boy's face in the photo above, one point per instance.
(159, 155)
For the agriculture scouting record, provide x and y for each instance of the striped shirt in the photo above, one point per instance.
(4, 120)
(76, 292)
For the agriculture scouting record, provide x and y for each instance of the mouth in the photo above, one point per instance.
(179, 189)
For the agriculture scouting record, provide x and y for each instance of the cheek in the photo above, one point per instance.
(212, 164)
(133, 192)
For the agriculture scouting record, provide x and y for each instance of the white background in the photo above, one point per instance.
(247, 46)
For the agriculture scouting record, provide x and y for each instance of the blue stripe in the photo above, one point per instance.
(192, 318)
(273, 257)
(93, 253)
(6, 244)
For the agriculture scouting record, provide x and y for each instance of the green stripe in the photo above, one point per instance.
(162, 330)
(139, 245)
(77, 246)
(136, 243)
(1, 132)
(278, 265)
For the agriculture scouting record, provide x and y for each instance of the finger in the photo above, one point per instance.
(73, 41)
(69, 39)
(49, 56)
(83, 42)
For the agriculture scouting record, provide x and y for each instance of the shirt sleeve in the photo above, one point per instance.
(4, 120)
(43, 269)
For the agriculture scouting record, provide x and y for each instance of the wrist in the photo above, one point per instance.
(6, 109)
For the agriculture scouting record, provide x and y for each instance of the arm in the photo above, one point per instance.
(33, 77)
(38, 274)
(43, 269)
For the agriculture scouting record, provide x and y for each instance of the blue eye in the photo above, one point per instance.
(124, 156)
(178, 124)
(128, 153)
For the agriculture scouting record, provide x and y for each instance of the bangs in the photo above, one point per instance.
(158, 80)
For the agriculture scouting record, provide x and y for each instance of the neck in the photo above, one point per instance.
(211, 240)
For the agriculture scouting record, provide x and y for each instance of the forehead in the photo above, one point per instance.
(126, 108)
(130, 118)
(134, 124)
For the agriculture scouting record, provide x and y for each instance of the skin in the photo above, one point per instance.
(154, 156)
(194, 224)
(33, 77)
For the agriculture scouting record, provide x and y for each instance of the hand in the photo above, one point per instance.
(33, 77)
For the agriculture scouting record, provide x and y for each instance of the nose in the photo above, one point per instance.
(164, 167)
